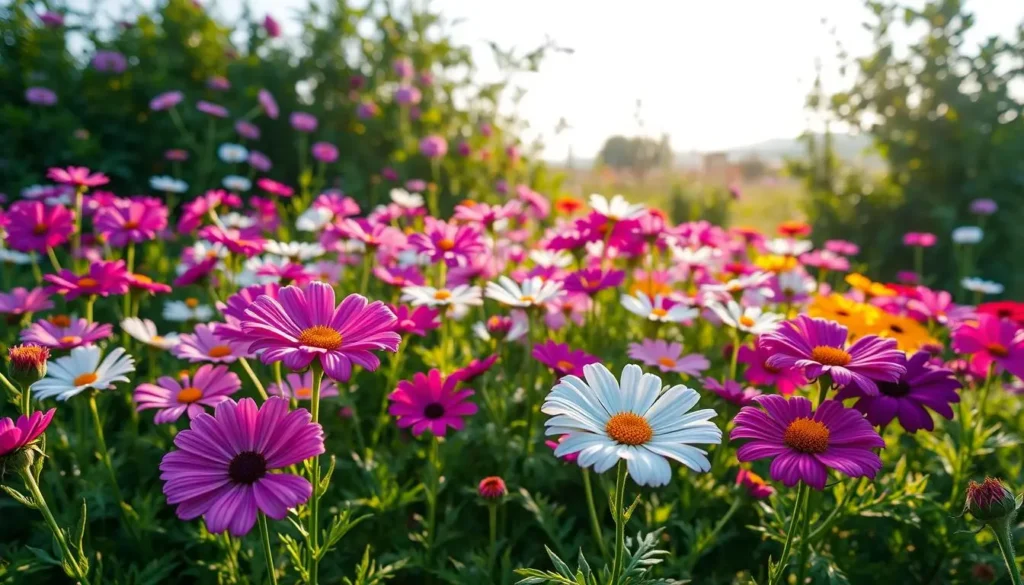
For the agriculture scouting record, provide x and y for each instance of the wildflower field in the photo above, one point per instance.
(274, 316)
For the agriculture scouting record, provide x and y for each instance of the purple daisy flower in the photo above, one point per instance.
(300, 387)
(593, 280)
(206, 344)
(431, 402)
(453, 243)
(563, 360)
(923, 386)
(210, 386)
(222, 469)
(301, 326)
(668, 357)
(818, 347)
(135, 222)
(732, 391)
(58, 335)
(806, 444)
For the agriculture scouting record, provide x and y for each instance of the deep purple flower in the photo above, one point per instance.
(785, 380)
(52, 19)
(40, 96)
(272, 27)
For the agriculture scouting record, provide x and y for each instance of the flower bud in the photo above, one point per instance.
(28, 363)
(492, 488)
(990, 501)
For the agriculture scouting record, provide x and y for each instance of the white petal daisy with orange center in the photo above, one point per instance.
(82, 370)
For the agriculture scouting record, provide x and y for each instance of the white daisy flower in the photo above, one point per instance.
(236, 220)
(534, 292)
(654, 309)
(250, 273)
(145, 331)
(968, 234)
(72, 374)
(695, 257)
(410, 257)
(794, 283)
(758, 282)
(980, 285)
(617, 208)
(188, 310)
(168, 184)
(461, 296)
(236, 183)
(518, 329)
(549, 258)
(405, 199)
(14, 256)
(607, 420)
(232, 153)
(295, 250)
(749, 319)
(788, 246)
(313, 219)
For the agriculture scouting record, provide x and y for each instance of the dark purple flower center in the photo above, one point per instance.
(894, 389)
(434, 410)
(247, 468)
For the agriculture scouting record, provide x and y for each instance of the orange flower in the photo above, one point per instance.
(567, 205)
(794, 228)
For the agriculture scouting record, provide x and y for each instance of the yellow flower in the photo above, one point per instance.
(776, 264)
(851, 314)
(868, 286)
(650, 287)
(910, 335)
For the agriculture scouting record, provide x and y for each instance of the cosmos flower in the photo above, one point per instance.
(992, 343)
(760, 373)
(417, 321)
(210, 386)
(433, 147)
(224, 467)
(56, 335)
(79, 177)
(463, 295)
(658, 309)
(103, 279)
(21, 301)
(431, 402)
(300, 387)
(668, 357)
(232, 153)
(918, 239)
(303, 122)
(82, 370)
(205, 345)
(561, 359)
(136, 222)
(533, 292)
(212, 109)
(448, 242)
(804, 445)
(145, 331)
(616, 208)
(34, 226)
(747, 319)
(630, 419)
(166, 100)
(593, 280)
(16, 435)
(502, 328)
(732, 391)
(268, 103)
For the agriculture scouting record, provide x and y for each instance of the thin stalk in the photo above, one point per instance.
(805, 544)
(620, 521)
(89, 302)
(433, 490)
(1005, 540)
(104, 452)
(268, 552)
(382, 417)
(252, 376)
(10, 385)
(53, 259)
(76, 243)
(595, 526)
(314, 502)
(58, 534)
(492, 518)
(710, 539)
(801, 504)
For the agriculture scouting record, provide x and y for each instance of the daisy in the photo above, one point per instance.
(80, 177)
(313, 219)
(204, 345)
(232, 153)
(12, 256)
(617, 208)
(794, 286)
(233, 239)
(463, 295)
(806, 444)
(551, 258)
(746, 319)
(145, 331)
(593, 280)
(758, 372)
(452, 243)
(103, 279)
(406, 200)
(788, 247)
(300, 251)
(668, 357)
(980, 285)
(417, 321)
(168, 184)
(210, 386)
(631, 419)
(757, 282)
(306, 325)
(819, 347)
(15, 436)
(968, 235)
(188, 310)
(992, 343)
(66, 336)
(561, 359)
(236, 183)
(658, 309)
(136, 222)
(34, 226)
(82, 370)
(755, 486)
(534, 292)
(702, 256)
(21, 301)
(501, 328)
(732, 391)
(431, 402)
(226, 471)
(300, 387)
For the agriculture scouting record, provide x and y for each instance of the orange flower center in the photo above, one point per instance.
(667, 362)
(131, 224)
(189, 395)
(755, 478)
(219, 351)
(527, 299)
(446, 244)
(304, 392)
(747, 321)
(806, 435)
(39, 229)
(659, 312)
(70, 339)
(998, 350)
(142, 279)
(156, 339)
(191, 302)
(87, 282)
(830, 356)
(321, 336)
(628, 428)
(60, 320)
(565, 366)
(442, 295)
(84, 379)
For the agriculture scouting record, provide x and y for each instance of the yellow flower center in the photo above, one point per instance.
(60, 320)
(998, 350)
(70, 339)
(806, 435)
(527, 299)
(446, 244)
(87, 282)
(628, 428)
(659, 312)
(830, 356)
(191, 302)
(321, 336)
(667, 362)
(87, 378)
(304, 392)
(747, 321)
(442, 295)
(189, 395)
(156, 339)
(565, 366)
(219, 351)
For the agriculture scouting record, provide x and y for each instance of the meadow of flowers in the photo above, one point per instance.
(237, 378)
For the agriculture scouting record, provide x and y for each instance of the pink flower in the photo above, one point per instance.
(137, 222)
(992, 343)
(825, 260)
(408, 95)
(15, 436)
(324, 152)
(431, 402)
(593, 280)
(668, 357)
(303, 122)
(247, 130)
(78, 176)
(924, 240)
(35, 226)
(785, 380)
(210, 386)
(268, 103)
(272, 27)
(141, 282)
(212, 109)
(103, 279)
(568, 457)
(166, 101)
(475, 369)
(300, 387)
(842, 247)
(732, 391)
(206, 345)
(233, 240)
(434, 147)
(21, 301)
(755, 486)
(40, 96)
(561, 359)
(303, 326)
(56, 335)
(399, 277)
(454, 244)
(417, 321)
(275, 188)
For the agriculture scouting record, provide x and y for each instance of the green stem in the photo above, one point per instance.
(314, 502)
(718, 528)
(595, 526)
(58, 534)
(492, 513)
(735, 354)
(53, 258)
(802, 493)
(1005, 540)
(620, 521)
(252, 376)
(805, 544)
(268, 552)
(76, 243)
(382, 418)
(433, 490)
(104, 452)
(10, 386)
(89, 302)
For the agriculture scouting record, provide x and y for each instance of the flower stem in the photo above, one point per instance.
(805, 545)
(268, 552)
(719, 526)
(255, 380)
(76, 243)
(1005, 540)
(89, 302)
(595, 526)
(433, 490)
(492, 513)
(620, 521)
(775, 577)
(382, 418)
(104, 452)
(314, 502)
(37, 497)
(53, 259)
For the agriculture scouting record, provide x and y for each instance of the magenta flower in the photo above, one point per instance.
(17, 435)
(268, 103)
(324, 152)
(275, 188)
(992, 343)
(755, 485)
(732, 391)
(593, 280)
(222, 468)
(825, 260)
(785, 380)
(487, 215)
(399, 277)
(234, 309)
(303, 122)
(204, 344)
(302, 326)
(562, 360)
(984, 206)
(109, 62)
(247, 130)
(923, 240)
(366, 110)
(842, 247)
(166, 100)
(58, 335)
(805, 444)
(40, 96)
(21, 301)
(408, 95)
(668, 357)
(433, 147)
(300, 387)
(218, 83)
(136, 222)
(417, 321)
(52, 19)
(454, 244)
(78, 176)
(103, 279)
(212, 109)
(818, 347)
(210, 386)
(474, 369)
(195, 271)
(141, 282)
(233, 239)
(272, 27)
(35, 226)
(431, 402)
(924, 386)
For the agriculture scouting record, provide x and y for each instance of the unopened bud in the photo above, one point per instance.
(28, 363)
(492, 488)
(990, 501)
